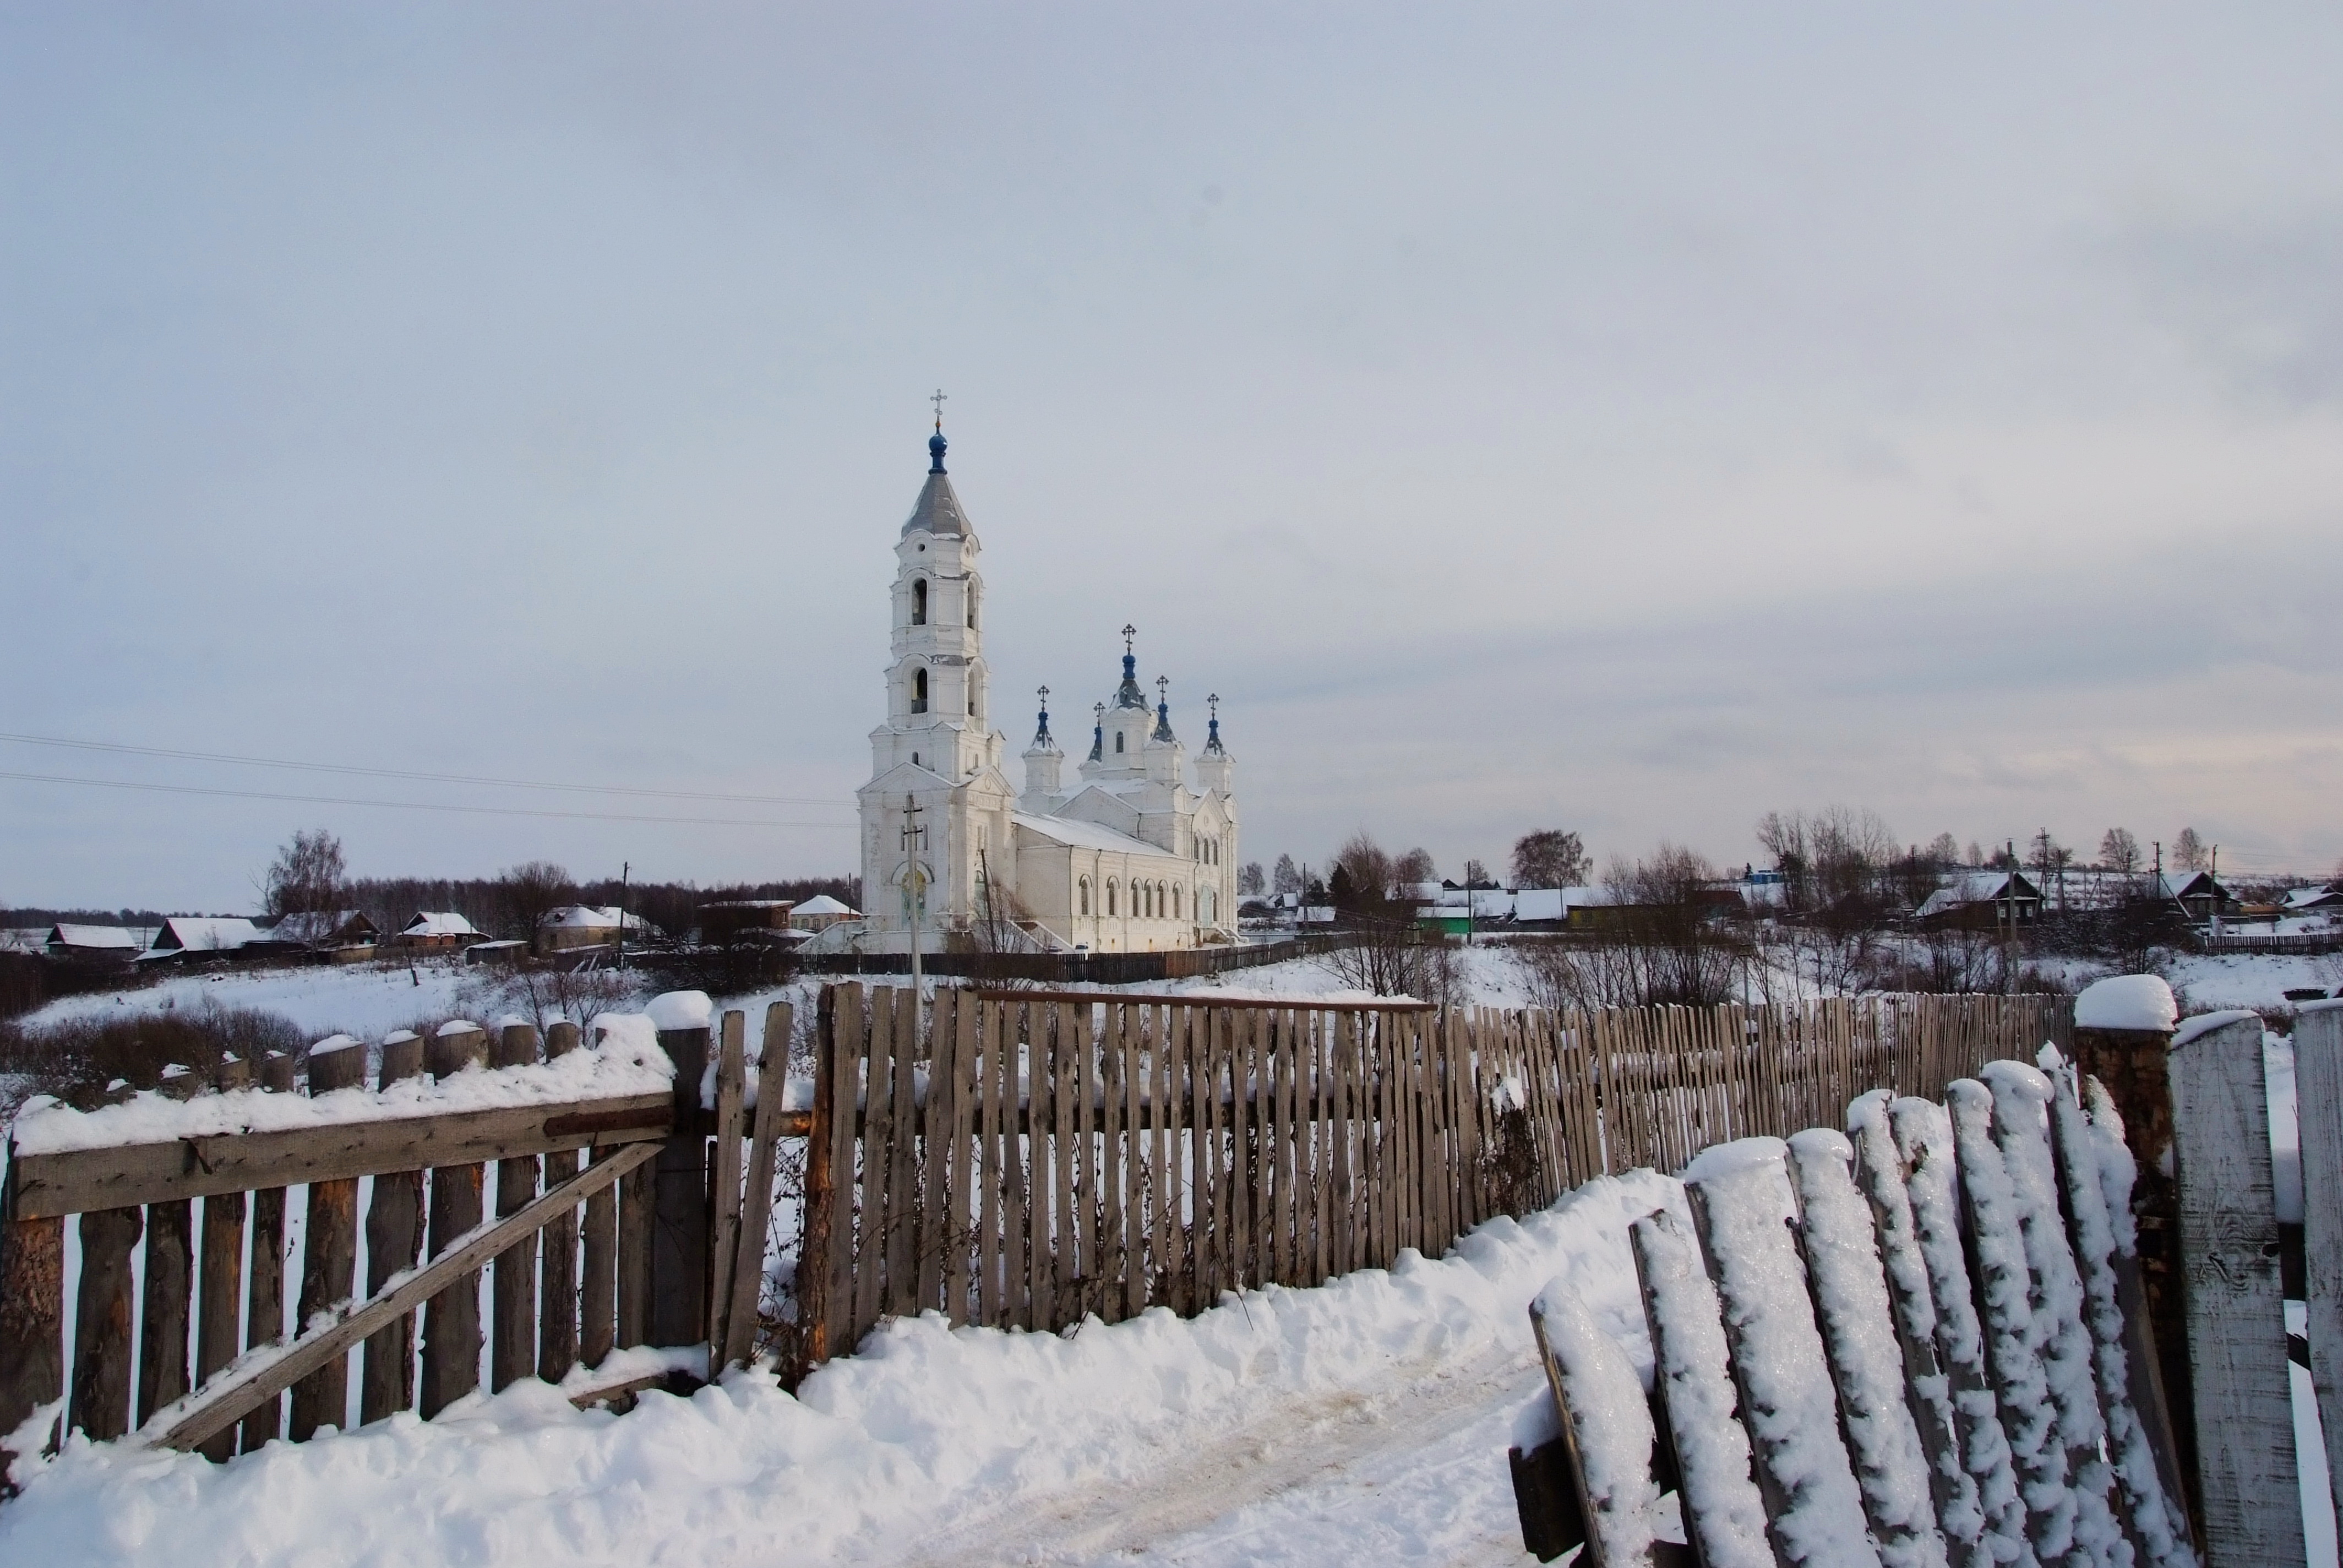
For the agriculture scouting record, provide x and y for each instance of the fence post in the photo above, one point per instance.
(679, 1254)
(2318, 1080)
(2252, 1511)
(32, 1319)
(2132, 1066)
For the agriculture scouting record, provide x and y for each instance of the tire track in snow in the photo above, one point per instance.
(1298, 1483)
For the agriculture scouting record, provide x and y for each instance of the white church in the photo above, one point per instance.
(1131, 855)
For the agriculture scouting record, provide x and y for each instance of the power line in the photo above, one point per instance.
(411, 805)
(404, 773)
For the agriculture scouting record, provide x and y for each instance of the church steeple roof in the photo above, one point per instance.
(1128, 695)
(1162, 710)
(938, 509)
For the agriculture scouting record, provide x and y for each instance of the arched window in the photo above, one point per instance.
(919, 602)
(1110, 895)
(1082, 895)
(1175, 900)
(920, 690)
(1146, 901)
(972, 606)
(971, 696)
(1118, 740)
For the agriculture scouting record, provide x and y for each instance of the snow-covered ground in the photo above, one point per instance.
(368, 1000)
(1366, 1421)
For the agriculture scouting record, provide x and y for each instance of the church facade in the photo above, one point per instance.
(1136, 852)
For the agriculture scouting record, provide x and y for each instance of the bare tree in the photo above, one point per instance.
(1369, 870)
(1413, 867)
(528, 892)
(547, 994)
(307, 875)
(2188, 851)
(1661, 940)
(2119, 851)
(1945, 852)
(1476, 874)
(1286, 878)
(1550, 857)
(1249, 880)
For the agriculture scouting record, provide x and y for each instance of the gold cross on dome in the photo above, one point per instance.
(938, 401)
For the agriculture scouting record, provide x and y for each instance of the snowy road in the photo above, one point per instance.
(1410, 1468)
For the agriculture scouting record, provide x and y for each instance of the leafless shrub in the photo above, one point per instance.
(547, 994)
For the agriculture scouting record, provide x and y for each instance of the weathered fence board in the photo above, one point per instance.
(2252, 1512)
(2319, 1090)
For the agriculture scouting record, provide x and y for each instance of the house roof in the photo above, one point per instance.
(587, 917)
(317, 925)
(208, 933)
(1082, 835)
(110, 937)
(823, 904)
(2312, 899)
(443, 923)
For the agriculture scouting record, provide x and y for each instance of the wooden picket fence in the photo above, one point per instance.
(1025, 1159)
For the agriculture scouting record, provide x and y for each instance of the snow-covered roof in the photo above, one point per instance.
(2126, 1001)
(1082, 835)
(822, 904)
(438, 923)
(1964, 888)
(2313, 899)
(315, 925)
(113, 937)
(208, 933)
(587, 917)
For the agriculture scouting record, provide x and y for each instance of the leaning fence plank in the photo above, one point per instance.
(451, 1321)
(992, 1179)
(394, 1242)
(936, 1142)
(597, 1281)
(1725, 1516)
(218, 1292)
(1114, 1243)
(218, 1409)
(960, 1201)
(2319, 1086)
(878, 1138)
(2236, 1323)
(328, 1252)
(264, 1313)
(102, 1340)
(899, 1295)
(556, 1331)
(724, 1242)
(1745, 1215)
(748, 1273)
(680, 1235)
(1878, 1173)
(1838, 1243)
(1068, 1201)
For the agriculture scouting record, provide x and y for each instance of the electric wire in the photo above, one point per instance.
(414, 774)
(410, 805)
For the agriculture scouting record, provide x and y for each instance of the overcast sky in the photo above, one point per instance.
(1628, 418)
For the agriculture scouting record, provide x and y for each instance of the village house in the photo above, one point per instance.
(2199, 896)
(188, 936)
(574, 926)
(1980, 900)
(820, 912)
(433, 932)
(747, 920)
(93, 946)
(346, 933)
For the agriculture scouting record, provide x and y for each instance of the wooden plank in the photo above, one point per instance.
(102, 1340)
(31, 1327)
(1274, 1088)
(82, 1181)
(394, 1242)
(2318, 1089)
(1086, 1238)
(1065, 1254)
(992, 1178)
(1244, 1148)
(164, 1302)
(218, 1409)
(845, 1045)
(748, 1274)
(219, 1289)
(1163, 1111)
(724, 1244)
(451, 1321)
(1115, 1241)
(936, 1147)
(1342, 1143)
(512, 1341)
(2237, 1326)
(678, 1314)
(1195, 1060)
(903, 1176)
(882, 1110)
(597, 1278)
(263, 1317)
(960, 1196)
(328, 1259)
(1321, 1039)
(556, 1329)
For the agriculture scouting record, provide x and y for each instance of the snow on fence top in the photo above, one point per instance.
(680, 1009)
(625, 1060)
(2206, 1023)
(2126, 1001)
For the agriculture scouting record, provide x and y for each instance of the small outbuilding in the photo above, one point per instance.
(820, 912)
(575, 926)
(736, 919)
(95, 946)
(183, 936)
(325, 930)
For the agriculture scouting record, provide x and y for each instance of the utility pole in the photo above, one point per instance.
(624, 867)
(915, 896)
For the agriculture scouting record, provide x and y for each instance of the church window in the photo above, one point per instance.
(1110, 895)
(1118, 741)
(918, 691)
(919, 602)
(972, 606)
(1175, 900)
(1083, 890)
